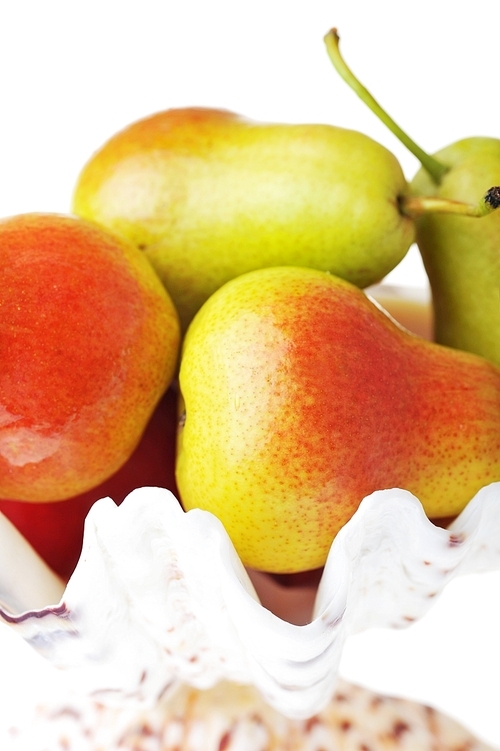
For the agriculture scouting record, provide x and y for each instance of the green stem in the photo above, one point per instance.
(435, 169)
(414, 206)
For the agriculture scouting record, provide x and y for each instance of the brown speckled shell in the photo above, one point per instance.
(230, 717)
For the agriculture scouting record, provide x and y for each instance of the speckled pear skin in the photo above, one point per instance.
(462, 255)
(209, 195)
(302, 397)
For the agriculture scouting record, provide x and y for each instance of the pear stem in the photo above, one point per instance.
(435, 169)
(414, 206)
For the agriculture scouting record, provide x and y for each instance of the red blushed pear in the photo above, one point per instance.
(89, 341)
(302, 397)
(55, 530)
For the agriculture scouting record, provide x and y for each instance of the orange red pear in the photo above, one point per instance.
(89, 341)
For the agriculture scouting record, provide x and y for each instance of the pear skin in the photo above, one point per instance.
(462, 255)
(302, 397)
(209, 195)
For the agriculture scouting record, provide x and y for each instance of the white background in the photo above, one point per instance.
(73, 73)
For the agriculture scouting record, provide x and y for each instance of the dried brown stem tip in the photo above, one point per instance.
(492, 197)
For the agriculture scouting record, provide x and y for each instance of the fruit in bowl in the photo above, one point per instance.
(89, 343)
(50, 624)
(56, 530)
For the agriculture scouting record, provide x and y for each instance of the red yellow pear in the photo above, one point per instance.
(302, 397)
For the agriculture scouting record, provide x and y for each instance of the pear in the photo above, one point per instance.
(461, 255)
(208, 195)
(300, 396)
(89, 342)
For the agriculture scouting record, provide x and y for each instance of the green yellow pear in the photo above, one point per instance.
(300, 397)
(461, 255)
(208, 195)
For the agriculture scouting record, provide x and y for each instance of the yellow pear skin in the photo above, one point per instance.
(461, 254)
(302, 397)
(209, 195)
